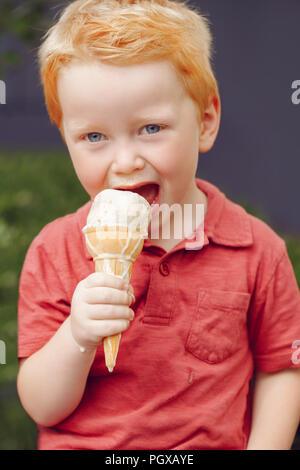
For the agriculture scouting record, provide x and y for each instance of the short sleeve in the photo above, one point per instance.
(43, 303)
(275, 320)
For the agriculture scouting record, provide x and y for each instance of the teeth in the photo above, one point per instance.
(155, 199)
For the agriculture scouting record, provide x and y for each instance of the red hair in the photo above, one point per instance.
(125, 32)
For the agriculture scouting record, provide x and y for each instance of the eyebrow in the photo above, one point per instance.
(77, 130)
(147, 117)
(154, 116)
(74, 127)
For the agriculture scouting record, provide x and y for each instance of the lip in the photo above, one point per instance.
(135, 186)
(139, 185)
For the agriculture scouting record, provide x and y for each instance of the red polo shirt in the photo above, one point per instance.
(205, 319)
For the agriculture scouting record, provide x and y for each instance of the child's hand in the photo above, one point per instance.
(100, 307)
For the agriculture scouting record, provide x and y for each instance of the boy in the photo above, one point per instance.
(210, 358)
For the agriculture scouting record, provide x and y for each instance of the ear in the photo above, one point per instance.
(210, 124)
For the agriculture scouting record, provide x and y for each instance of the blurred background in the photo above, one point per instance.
(255, 160)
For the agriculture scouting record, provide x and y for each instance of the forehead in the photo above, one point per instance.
(142, 85)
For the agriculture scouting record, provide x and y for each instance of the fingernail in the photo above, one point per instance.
(131, 296)
(131, 289)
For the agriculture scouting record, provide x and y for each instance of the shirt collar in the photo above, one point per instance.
(226, 223)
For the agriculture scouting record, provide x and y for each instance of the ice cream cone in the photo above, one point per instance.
(114, 250)
(116, 227)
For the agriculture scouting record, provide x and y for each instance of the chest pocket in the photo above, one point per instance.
(218, 327)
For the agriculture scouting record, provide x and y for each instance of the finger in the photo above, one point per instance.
(105, 280)
(107, 295)
(110, 312)
(109, 327)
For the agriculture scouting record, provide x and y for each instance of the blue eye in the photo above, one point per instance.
(94, 137)
(152, 128)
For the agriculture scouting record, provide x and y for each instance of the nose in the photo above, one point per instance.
(127, 160)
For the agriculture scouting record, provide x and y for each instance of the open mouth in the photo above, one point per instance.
(149, 191)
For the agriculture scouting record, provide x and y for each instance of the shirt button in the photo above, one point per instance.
(212, 357)
(164, 269)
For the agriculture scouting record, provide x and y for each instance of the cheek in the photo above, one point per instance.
(178, 158)
(89, 171)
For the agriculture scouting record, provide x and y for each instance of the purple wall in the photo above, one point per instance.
(256, 156)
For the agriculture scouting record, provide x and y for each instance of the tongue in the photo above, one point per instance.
(148, 191)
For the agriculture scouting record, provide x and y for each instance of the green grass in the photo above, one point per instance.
(36, 188)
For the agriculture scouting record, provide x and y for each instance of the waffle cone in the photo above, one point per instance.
(114, 250)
